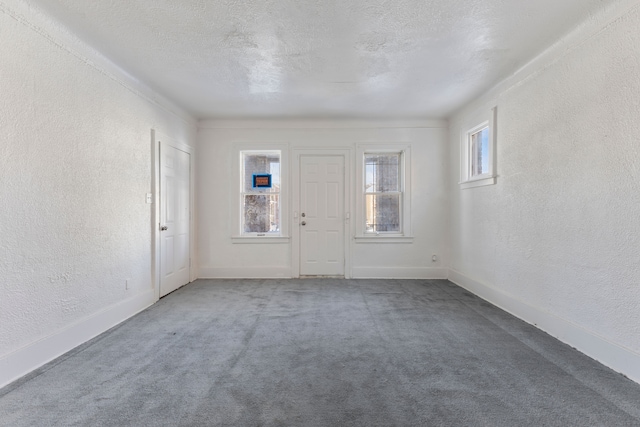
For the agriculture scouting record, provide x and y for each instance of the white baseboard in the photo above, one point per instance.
(20, 362)
(398, 273)
(244, 273)
(357, 273)
(616, 357)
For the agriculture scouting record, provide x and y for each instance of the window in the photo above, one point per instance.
(383, 192)
(260, 192)
(479, 152)
(477, 166)
(383, 206)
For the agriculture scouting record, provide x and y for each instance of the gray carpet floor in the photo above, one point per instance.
(322, 352)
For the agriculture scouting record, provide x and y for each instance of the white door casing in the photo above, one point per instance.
(175, 171)
(322, 215)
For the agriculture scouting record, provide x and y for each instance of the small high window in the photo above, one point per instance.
(479, 152)
(477, 166)
(260, 192)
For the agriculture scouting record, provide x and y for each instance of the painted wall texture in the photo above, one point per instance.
(559, 233)
(218, 184)
(557, 236)
(75, 164)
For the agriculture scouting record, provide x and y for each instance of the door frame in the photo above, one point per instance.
(156, 138)
(347, 154)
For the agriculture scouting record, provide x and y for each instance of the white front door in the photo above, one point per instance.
(175, 166)
(321, 215)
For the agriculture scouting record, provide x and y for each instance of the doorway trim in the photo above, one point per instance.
(156, 138)
(347, 154)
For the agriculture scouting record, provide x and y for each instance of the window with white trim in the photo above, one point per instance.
(260, 193)
(479, 152)
(477, 148)
(382, 192)
(383, 206)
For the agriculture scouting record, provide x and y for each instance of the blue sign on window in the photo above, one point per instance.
(262, 180)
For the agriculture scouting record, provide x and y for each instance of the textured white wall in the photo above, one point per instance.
(218, 256)
(75, 164)
(557, 240)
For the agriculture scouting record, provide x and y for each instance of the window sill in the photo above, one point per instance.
(478, 182)
(261, 239)
(383, 239)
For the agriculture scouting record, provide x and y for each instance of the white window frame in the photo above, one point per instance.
(238, 235)
(467, 179)
(404, 235)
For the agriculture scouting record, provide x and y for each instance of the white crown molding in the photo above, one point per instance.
(62, 38)
(590, 28)
(322, 124)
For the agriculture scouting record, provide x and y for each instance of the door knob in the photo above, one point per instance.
(304, 223)
(164, 228)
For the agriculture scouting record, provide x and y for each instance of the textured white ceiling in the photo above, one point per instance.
(320, 58)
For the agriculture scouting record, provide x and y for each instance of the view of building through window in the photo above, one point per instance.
(383, 192)
(479, 152)
(260, 206)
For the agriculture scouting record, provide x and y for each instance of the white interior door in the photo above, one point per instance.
(321, 215)
(175, 172)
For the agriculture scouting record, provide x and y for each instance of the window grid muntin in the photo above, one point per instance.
(272, 193)
(399, 192)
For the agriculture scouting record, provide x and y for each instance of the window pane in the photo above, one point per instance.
(383, 212)
(261, 163)
(261, 213)
(480, 152)
(381, 173)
